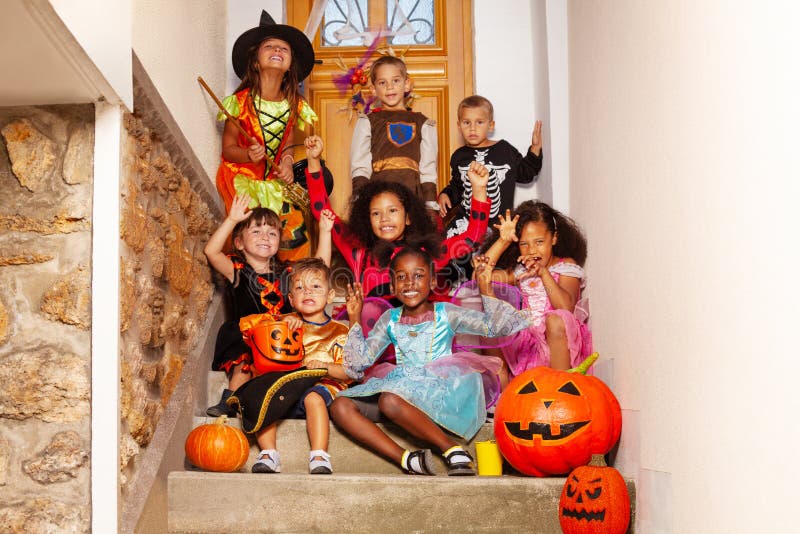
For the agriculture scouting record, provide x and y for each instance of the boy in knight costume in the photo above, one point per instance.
(393, 143)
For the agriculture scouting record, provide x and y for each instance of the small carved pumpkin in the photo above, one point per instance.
(217, 447)
(594, 500)
(275, 347)
(548, 422)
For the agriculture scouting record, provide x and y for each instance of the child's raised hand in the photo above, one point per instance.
(483, 274)
(240, 208)
(444, 204)
(355, 302)
(478, 175)
(536, 138)
(293, 322)
(256, 152)
(314, 145)
(507, 227)
(326, 220)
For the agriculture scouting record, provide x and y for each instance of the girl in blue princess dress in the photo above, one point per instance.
(430, 388)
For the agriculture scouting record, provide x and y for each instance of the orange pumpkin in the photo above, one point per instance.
(594, 500)
(548, 422)
(217, 447)
(275, 347)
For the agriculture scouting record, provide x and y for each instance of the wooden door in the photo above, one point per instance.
(440, 68)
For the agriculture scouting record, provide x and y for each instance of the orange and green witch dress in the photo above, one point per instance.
(268, 122)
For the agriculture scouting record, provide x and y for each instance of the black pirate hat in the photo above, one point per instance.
(302, 51)
(266, 398)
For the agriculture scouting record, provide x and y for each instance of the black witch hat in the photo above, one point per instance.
(302, 51)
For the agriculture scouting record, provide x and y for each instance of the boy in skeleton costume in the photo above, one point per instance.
(507, 167)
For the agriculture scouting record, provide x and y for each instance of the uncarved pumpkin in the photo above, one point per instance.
(217, 447)
(548, 422)
(594, 500)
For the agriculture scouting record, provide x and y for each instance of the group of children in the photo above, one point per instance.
(391, 243)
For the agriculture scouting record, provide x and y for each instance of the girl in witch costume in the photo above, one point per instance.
(430, 388)
(271, 60)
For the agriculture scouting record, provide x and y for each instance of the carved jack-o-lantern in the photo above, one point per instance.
(275, 347)
(594, 500)
(547, 421)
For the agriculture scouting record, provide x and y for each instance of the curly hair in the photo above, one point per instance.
(421, 230)
(412, 250)
(571, 241)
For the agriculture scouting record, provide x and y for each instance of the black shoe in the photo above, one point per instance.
(423, 464)
(221, 408)
(459, 462)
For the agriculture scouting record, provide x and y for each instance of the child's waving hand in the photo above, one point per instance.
(536, 138)
(355, 302)
(240, 208)
(507, 227)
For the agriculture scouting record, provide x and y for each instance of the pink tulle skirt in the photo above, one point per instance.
(528, 348)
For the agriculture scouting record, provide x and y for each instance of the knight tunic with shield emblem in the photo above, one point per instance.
(398, 146)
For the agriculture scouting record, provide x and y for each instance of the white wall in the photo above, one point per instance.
(103, 29)
(177, 41)
(683, 121)
(520, 65)
(243, 15)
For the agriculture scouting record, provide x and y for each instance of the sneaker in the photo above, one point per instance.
(319, 463)
(459, 462)
(267, 461)
(418, 462)
(221, 408)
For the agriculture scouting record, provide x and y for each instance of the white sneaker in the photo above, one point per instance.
(319, 463)
(268, 461)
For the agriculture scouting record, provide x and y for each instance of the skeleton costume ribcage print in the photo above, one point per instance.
(497, 175)
(507, 167)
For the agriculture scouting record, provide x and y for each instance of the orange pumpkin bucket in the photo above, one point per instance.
(275, 347)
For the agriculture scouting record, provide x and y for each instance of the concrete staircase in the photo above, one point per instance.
(365, 493)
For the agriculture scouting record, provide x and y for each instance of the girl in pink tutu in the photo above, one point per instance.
(542, 252)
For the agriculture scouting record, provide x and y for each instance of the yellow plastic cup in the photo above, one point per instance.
(490, 462)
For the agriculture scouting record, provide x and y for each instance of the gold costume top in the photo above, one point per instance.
(325, 342)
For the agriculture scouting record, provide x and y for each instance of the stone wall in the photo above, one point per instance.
(165, 285)
(45, 317)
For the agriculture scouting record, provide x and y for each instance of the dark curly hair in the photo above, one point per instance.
(571, 241)
(421, 231)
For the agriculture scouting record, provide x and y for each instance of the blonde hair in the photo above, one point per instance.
(388, 60)
(476, 101)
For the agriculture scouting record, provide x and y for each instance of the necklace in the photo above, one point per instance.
(415, 333)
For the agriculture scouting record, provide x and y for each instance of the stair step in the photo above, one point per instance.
(288, 502)
(346, 455)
